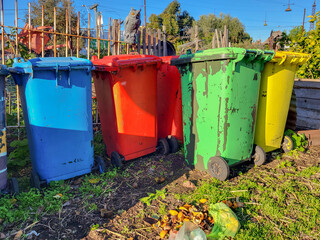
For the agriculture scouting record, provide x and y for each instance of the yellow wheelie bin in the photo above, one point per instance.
(274, 100)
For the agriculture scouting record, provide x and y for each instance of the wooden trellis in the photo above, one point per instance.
(149, 41)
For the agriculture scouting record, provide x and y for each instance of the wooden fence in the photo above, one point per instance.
(149, 41)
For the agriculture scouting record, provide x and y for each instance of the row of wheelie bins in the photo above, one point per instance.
(219, 103)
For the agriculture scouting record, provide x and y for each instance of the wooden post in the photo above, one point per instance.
(18, 110)
(9, 103)
(149, 41)
(221, 39)
(164, 41)
(54, 30)
(42, 35)
(2, 35)
(154, 41)
(67, 32)
(127, 46)
(159, 43)
(213, 41)
(88, 45)
(114, 36)
(196, 37)
(139, 41)
(78, 33)
(29, 21)
(109, 36)
(16, 25)
(225, 36)
(217, 36)
(98, 36)
(144, 47)
(119, 37)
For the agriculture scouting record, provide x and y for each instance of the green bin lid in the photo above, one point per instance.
(218, 54)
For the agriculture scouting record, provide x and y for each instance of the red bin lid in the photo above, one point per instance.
(167, 59)
(114, 63)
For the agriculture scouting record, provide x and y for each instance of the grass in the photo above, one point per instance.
(277, 206)
(33, 204)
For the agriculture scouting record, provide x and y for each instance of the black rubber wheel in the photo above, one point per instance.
(101, 164)
(116, 159)
(163, 146)
(173, 144)
(218, 168)
(287, 144)
(259, 156)
(35, 180)
(14, 186)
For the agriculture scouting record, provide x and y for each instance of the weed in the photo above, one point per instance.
(32, 204)
(95, 227)
(99, 146)
(300, 142)
(285, 163)
(153, 196)
(20, 156)
(162, 209)
(93, 207)
(125, 230)
(96, 184)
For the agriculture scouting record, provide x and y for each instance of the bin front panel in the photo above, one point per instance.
(169, 106)
(274, 98)
(127, 106)
(219, 99)
(3, 139)
(57, 111)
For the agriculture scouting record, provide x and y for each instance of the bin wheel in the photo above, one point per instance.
(14, 186)
(35, 180)
(101, 164)
(259, 156)
(218, 168)
(116, 159)
(173, 144)
(163, 146)
(287, 144)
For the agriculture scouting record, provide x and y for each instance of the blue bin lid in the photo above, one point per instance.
(50, 63)
(4, 70)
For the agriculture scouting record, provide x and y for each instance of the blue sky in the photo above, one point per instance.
(252, 13)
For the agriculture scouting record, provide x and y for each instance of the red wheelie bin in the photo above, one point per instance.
(169, 105)
(126, 89)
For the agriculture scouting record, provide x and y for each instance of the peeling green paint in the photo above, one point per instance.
(219, 98)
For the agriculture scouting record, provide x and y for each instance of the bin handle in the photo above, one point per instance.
(18, 59)
(283, 58)
(68, 72)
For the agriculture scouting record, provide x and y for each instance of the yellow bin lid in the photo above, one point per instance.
(290, 57)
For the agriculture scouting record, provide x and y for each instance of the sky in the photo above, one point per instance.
(252, 13)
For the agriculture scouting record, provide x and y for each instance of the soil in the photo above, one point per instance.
(126, 217)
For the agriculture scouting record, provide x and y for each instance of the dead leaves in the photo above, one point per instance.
(176, 217)
(159, 180)
(94, 180)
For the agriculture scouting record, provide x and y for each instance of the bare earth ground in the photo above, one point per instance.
(126, 217)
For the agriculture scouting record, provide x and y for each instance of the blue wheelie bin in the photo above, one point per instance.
(56, 101)
(5, 185)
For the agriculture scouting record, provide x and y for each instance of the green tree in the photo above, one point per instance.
(175, 21)
(295, 33)
(208, 23)
(61, 7)
(309, 43)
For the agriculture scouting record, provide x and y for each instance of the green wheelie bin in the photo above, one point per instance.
(219, 103)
